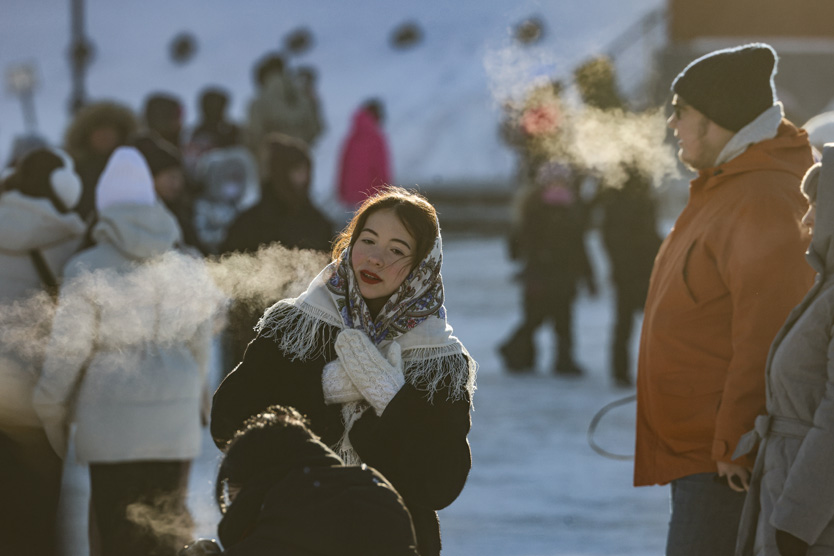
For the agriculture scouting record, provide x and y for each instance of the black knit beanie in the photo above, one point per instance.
(731, 87)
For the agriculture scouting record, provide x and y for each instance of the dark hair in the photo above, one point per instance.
(261, 444)
(280, 155)
(376, 108)
(32, 177)
(213, 102)
(268, 64)
(162, 108)
(414, 211)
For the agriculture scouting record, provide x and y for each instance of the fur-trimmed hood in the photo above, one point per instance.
(77, 137)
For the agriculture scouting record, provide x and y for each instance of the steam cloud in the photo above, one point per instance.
(187, 294)
(602, 143)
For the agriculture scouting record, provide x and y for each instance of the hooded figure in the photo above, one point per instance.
(790, 505)
(126, 362)
(364, 164)
(37, 235)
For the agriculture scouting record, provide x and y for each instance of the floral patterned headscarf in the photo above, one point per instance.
(418, 297)
(414, 317)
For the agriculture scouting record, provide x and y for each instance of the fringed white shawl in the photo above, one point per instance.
(414, 317)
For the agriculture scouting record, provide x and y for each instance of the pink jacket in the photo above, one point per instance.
(364, 164)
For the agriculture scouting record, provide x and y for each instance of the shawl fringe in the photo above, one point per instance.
(304, 332)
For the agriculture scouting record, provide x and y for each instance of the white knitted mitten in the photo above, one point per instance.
(377, 377)
(337, 386)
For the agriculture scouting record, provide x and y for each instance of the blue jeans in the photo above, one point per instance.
(705, 517)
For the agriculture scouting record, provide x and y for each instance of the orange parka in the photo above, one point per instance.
(723, 283)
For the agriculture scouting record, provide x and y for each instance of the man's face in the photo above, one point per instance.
(700, 141)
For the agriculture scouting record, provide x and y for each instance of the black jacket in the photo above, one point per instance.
(420, 447)
(315, 506)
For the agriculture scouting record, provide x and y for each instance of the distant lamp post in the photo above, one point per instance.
(21, 81)
(81, 53)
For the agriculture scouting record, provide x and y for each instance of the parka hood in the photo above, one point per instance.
(77, 138)
(364, 121)
(33, 223)
(138, 231)
(821, 252)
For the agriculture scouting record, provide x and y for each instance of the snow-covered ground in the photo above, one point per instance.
(536, 487)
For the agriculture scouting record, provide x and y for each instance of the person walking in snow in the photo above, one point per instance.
(126, 362)
(628, 221)
(279, 106)
(550, 241)
(723, 282)
(281, 490)
(38, 234)
(364, 162)
(367, 355)
(788, 509)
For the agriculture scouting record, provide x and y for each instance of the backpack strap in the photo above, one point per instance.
(50, 283)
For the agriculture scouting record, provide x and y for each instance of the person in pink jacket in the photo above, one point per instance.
(364, 165)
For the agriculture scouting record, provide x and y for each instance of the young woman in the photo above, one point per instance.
(366, 354)
(788, 510)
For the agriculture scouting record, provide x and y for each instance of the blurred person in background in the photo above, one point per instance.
(126, 362)
(163, 114)
(280, 104)
(226, 184)
(628, 223)
(169, 182)
(92, 136)
(38, 234)
(308, 77)
(788, 511)
(550, 243)
(214, 130)
(724, 281)
(285, 215)
(282, 491)
(364, 161)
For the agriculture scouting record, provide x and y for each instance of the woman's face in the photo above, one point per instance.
(381, 257)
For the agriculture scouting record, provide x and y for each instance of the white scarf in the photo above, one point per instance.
(414, 317)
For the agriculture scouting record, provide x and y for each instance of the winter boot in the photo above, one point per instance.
(518, 353)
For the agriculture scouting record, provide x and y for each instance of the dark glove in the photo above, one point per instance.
(789, 545)
(201, 547)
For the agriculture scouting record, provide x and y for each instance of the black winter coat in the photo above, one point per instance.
(271, 221)
(315, 506)
(419, 446)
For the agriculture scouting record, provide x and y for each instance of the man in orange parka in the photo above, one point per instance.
(723, 283)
